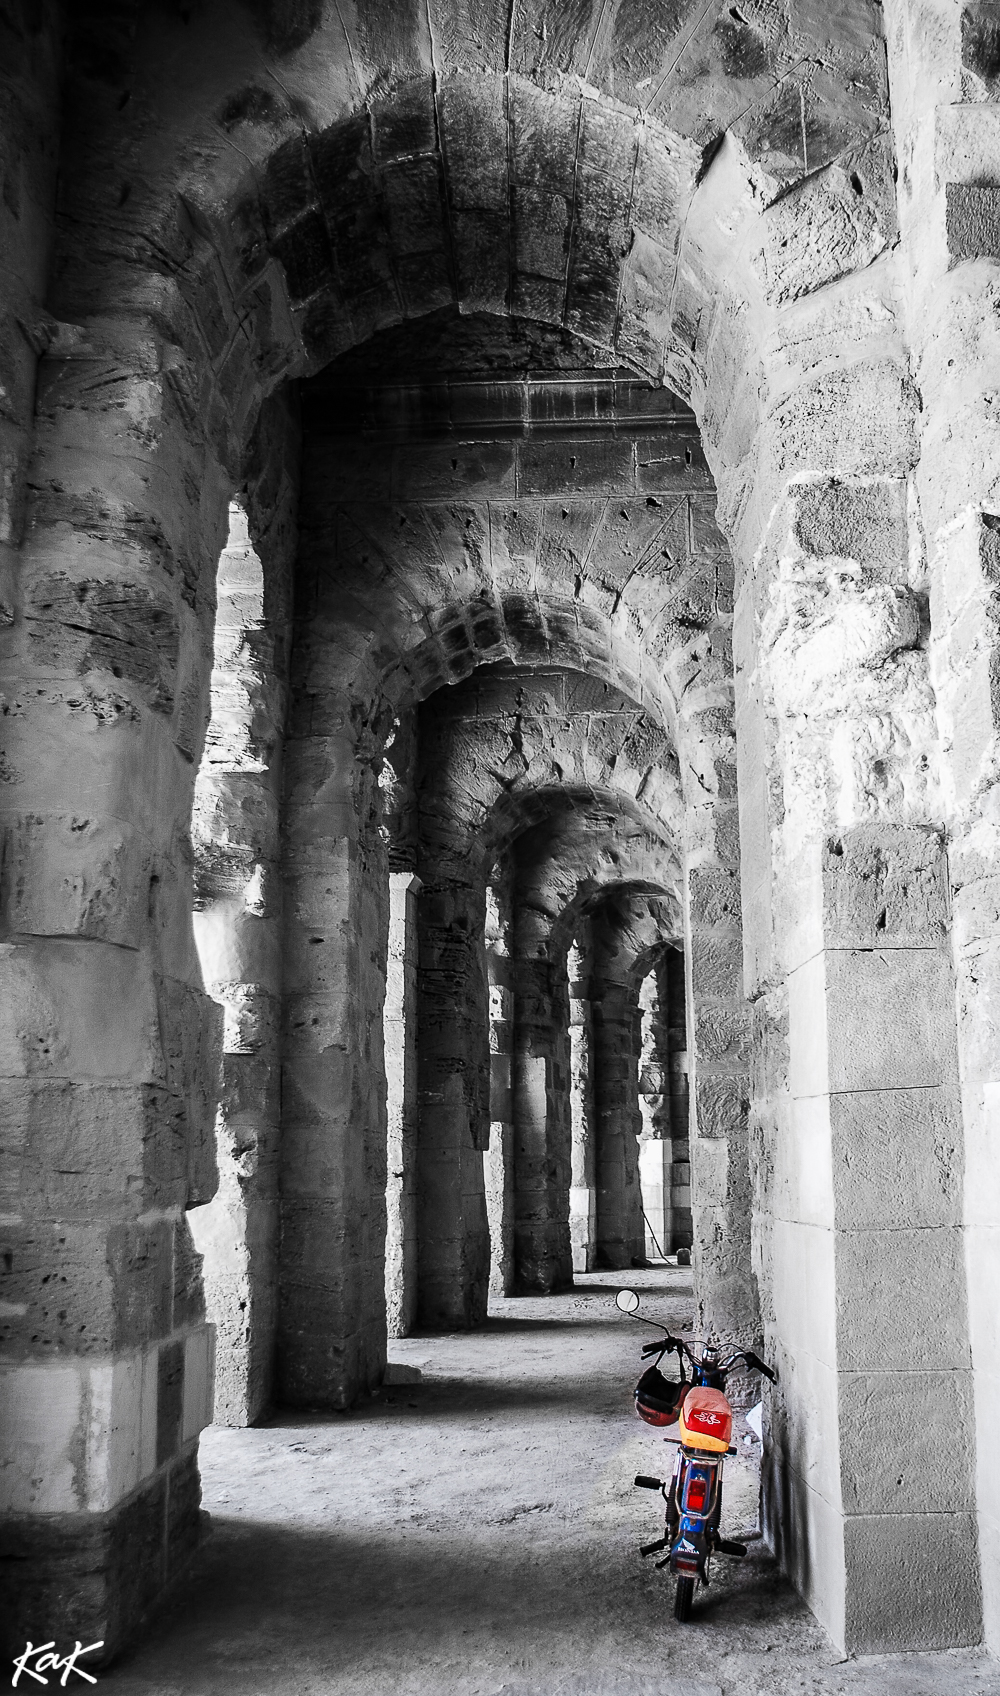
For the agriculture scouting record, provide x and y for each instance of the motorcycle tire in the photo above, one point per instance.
(683, 1599)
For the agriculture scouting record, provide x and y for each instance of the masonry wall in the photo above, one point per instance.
(735, 235)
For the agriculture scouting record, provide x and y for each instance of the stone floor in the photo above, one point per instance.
(477, 1533)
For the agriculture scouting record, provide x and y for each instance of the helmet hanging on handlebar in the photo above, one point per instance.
(657, 1399)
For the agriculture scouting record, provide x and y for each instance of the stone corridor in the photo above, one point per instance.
(499, 784)
(475, 1534)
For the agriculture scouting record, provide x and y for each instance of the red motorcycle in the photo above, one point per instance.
(698, 1406)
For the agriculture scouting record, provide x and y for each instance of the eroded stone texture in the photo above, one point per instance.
(238, 923)
(488, 237)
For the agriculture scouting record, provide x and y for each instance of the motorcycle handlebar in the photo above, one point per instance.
(679, 1346)
(756, 1364)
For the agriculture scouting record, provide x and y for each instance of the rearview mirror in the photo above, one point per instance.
(627, 1300)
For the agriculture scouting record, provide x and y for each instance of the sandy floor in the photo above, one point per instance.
(477, 1532)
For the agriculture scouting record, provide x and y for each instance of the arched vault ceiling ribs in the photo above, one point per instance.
(331, 176)
(570, 850)
(493, 747)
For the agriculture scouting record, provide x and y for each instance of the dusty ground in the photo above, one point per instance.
(476, 1533)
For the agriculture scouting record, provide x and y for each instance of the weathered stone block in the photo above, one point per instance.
(865, 522)
(892, 1426)
(714, 895)
(897, 1157)
(720, 1104)
(894, 1564)
(716, 964)
(86, 1289)
(885, 886)
(79, 625)
(57, 1002)
(583, 467)
(890, 1314)
(871, 1019)
(722, 1032)
(802, 1183)
(71, 876)
(86, 1149)
(972, 221)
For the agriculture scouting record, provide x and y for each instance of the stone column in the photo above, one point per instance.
(238, 918)
(331, 1322)
(453, 1091)
(542, 1136)
(854, 1137)
(673, 996)
(620, 1230)
(868, 1260)
(719, 1022)
(943, 77)
(583, 1175)
(499, 1157)
(401, 1105)
(110, 1047)
(655, 1143)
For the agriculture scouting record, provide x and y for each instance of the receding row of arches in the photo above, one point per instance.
(528, 824)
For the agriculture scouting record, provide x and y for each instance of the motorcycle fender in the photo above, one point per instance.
(690, 1547)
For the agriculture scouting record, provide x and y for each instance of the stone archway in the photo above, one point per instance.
(201, 236)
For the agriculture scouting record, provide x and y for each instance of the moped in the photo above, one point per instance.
(694, 1494)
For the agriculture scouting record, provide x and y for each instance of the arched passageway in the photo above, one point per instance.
(486, 498)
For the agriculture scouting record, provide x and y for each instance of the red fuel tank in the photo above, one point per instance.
(706, 1421)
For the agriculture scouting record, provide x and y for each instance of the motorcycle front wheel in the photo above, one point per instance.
(683, 1599)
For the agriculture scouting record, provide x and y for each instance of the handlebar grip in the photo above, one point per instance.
(653, 1348)
(642, 1482)
(755, 1361)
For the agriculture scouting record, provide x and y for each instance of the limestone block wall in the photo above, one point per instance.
(112, 1045)
(944, 84)
(736, 235)
(837, 732)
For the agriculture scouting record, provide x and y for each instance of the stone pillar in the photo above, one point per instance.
(719, 1021)
(673, 995)
(401, 1105)
(859, 1260)
(499, 1157)
(331, 1322)
(238, 922)
(542, 1135)
(943, 78)
(620, 1230)
(453, 1093)
(869, 1278)
(110, 1047)
(583, 1176)
(655, 1144)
